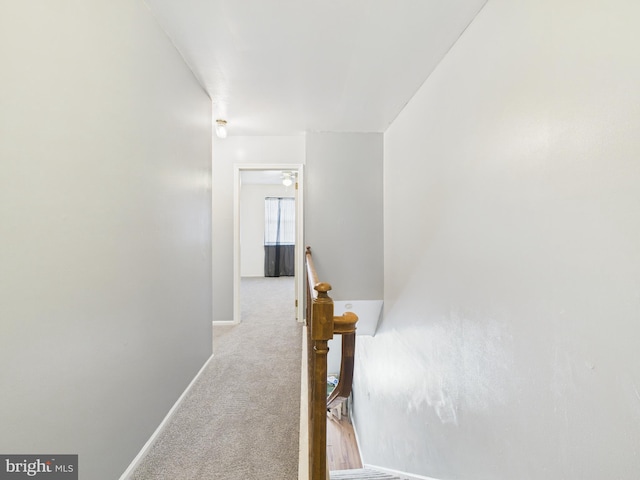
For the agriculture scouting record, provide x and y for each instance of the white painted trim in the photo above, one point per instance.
(223, 323)
(236, 244)
(355, 431)
(303, 459)
(299, 252)
(218, 323)
(301, 288)
(147, 446)
(398, 473)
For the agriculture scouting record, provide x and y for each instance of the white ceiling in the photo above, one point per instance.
(282, 67)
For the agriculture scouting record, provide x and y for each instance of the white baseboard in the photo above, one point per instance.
(224, 323)
(410, 476)
(353, 425)
(303, 459)
(154, 436)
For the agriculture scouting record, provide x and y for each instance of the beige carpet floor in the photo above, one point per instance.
(241, 419)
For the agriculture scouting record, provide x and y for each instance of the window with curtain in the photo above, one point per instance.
(279, 236)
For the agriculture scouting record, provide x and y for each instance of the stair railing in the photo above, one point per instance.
(345, 326)
(321, 326)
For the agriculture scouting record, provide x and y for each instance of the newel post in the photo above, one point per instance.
(321, 333)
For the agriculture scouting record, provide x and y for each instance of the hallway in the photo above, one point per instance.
(240, 420)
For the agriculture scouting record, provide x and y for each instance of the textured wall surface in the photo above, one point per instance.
(508, 347)
(105, 230)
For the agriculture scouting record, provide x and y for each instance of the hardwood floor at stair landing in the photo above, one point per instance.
(342, 449)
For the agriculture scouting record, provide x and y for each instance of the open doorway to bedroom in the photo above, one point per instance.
(268, 244)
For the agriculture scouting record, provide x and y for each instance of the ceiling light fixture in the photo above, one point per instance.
(287, 179)
(221, 128)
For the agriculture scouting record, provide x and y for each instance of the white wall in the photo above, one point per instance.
(508, 348)
(105, 283)
(252, 225)
(343, 212)
(226, 153)
(343, 223)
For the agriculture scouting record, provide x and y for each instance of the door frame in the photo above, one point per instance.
(299, 248)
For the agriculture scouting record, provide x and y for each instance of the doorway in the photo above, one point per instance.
(258, 182)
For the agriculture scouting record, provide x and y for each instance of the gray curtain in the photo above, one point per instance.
(279, 237)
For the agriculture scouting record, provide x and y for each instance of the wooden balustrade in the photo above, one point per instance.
(345, 326)
(321, 326)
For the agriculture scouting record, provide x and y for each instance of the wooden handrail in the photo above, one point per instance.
(321, 325)
(312, 275)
